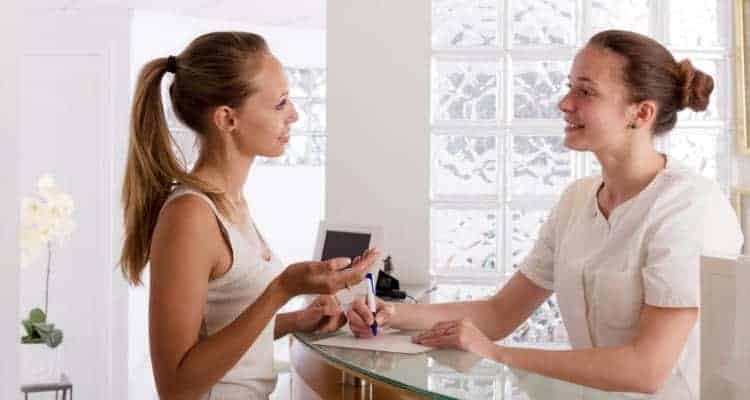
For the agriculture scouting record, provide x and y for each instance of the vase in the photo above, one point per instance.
(40, 363)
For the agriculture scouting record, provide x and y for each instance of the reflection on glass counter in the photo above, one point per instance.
(453, 374)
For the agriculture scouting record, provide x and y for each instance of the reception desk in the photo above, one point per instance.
(321, 372)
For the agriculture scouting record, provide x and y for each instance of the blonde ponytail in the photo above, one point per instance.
(152, 170)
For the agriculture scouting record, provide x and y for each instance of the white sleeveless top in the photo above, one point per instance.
(228, 296)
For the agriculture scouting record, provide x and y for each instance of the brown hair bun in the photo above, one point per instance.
(696, 87)
(650, 72)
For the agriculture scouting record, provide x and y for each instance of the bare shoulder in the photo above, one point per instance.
(186, 235)
(186, 211)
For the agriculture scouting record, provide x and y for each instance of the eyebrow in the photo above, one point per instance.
(584, 79)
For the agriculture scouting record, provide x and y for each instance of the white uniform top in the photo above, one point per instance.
(648, 252)
(253, 377)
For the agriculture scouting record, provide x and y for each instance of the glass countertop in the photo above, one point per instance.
(453, 374)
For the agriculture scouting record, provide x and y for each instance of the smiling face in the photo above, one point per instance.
(264, 119)
(596, 109)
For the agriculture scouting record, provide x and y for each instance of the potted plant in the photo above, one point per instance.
(46, 222)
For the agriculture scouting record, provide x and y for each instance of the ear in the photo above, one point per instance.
(645, 113)
(225, 119)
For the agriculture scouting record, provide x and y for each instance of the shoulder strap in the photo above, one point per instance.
(185, 190)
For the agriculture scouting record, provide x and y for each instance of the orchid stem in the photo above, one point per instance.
(46, 287)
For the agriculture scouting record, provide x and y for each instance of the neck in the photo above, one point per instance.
(228, 172)
(627, 173)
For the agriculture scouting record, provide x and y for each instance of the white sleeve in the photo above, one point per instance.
(671, 272)
(690, 226)
(538, 265)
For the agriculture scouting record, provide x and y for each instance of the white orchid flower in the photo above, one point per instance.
(46, 219)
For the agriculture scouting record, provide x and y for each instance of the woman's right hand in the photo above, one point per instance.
(325, 277)
(360, 317)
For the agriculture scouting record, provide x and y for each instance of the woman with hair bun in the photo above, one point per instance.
(215, 285)
(620, 250)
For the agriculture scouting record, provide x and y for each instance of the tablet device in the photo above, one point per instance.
(345, 240)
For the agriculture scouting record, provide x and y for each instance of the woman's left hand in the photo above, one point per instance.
(459, 334)
(323, 315)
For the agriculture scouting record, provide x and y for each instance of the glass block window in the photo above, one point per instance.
(537, 87)
(466, 165)
(498, 165)
(547, 23)
(630, 15)
(465, 24)
(466, 90)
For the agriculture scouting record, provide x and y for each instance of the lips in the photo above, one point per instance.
(572, 125)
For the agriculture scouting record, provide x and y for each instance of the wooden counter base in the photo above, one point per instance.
(315, 378)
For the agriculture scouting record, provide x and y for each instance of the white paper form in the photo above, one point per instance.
(386, 342)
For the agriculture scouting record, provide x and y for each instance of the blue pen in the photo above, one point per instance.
(371, 303)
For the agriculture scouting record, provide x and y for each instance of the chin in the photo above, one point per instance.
(268, 153)
(577, 142)
(573, 144)
(276, 152)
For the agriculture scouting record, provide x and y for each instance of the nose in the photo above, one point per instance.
(293, 116)
(565, 104)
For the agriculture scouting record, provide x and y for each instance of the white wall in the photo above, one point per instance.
(9, 201)
(158, 35)
(73, 102)
(378, 124)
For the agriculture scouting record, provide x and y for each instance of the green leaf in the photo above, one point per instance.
(31, 340)
(37, 315)
(54, 338)
(28, 327)
(43, 328)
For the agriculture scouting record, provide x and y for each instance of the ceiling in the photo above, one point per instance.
(298, 14)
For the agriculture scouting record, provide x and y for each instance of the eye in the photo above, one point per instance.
(575, 89)
(281, 105)
(580, 90)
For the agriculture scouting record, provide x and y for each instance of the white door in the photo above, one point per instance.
(73, 124)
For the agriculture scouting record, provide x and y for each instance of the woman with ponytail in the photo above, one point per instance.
(215, 286)
(621, 250)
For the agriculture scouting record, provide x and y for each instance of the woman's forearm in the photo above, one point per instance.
(640, 366)
(618, 368)
(496, 317)
(423, 316)
(210, 359)
(285, 323)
